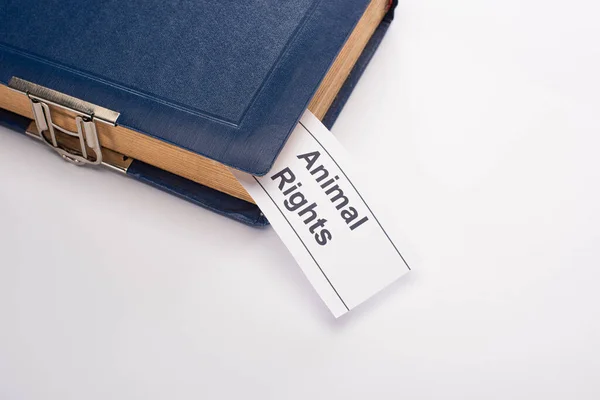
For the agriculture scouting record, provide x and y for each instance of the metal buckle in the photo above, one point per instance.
(86, 116)
(86, 133)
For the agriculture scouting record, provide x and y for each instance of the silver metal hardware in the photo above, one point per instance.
(110, 159)
(86, 117)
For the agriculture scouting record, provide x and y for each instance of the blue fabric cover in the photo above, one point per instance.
(224, 79)
(13, 121)
(201, 195)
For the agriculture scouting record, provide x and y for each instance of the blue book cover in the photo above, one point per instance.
(224, 79)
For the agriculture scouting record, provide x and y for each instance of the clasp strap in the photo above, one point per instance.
(86, 133)
(85, 115)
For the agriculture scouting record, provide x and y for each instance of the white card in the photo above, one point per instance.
(313, 198)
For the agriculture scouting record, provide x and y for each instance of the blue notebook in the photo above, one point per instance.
(225, 80)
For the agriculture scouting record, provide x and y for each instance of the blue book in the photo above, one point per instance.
(197, 80)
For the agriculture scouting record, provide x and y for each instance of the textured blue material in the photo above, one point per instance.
(390, 15)
(198, 194)
(227, 80)
(203, 196)
(13, 121)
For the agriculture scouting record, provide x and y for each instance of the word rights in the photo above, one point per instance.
(315, 202)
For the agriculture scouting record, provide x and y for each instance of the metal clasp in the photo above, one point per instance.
(86, 117)
(86, 134)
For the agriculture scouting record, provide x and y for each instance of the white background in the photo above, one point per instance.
(479, 120)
